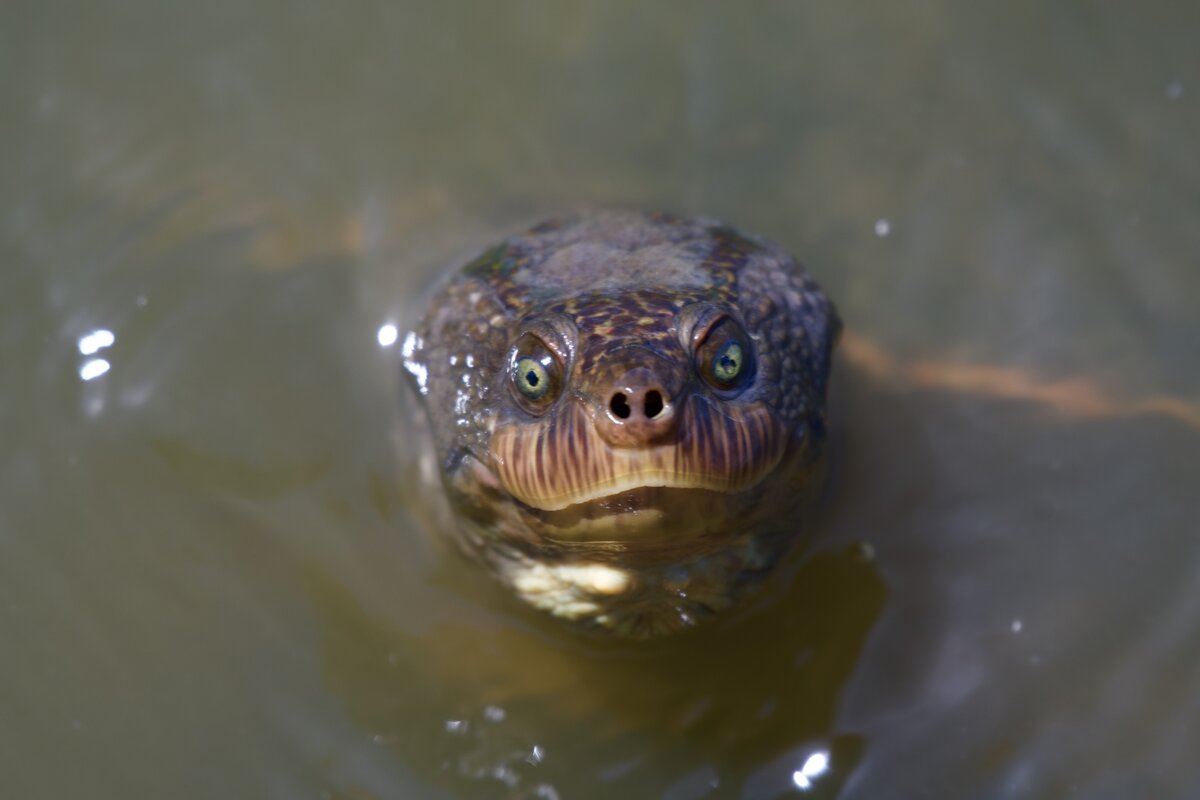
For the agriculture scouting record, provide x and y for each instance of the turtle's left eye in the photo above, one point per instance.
(727, 363)
(724, 357)
(535, 374)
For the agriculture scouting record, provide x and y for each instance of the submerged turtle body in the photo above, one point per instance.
(628, 413)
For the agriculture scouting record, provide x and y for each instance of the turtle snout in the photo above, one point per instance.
(639, 410)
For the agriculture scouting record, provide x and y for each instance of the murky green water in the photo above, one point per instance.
(211, 580)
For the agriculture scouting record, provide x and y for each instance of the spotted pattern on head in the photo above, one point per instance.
(622, 289)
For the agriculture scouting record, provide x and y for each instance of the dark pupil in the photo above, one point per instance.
(531, 378)
(728, 363)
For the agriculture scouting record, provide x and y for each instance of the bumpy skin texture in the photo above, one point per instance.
(643, 521)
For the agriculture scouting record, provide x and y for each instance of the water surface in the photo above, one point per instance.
(212, 577)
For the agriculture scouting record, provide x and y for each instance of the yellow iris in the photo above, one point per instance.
(727, 363)
(531, 378)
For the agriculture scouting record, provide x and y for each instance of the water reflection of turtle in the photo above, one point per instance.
(629, 412)
(484, 701)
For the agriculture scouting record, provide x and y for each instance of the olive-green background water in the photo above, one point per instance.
(212, 581)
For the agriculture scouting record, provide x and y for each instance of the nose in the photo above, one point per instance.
(639, 410)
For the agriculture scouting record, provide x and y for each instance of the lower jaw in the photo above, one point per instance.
(645, 598)
(646, 517)
(654, 560)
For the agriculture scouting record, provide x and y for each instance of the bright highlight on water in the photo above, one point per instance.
(93, 368)
(387, 335)
(95, 341)
(814, 766)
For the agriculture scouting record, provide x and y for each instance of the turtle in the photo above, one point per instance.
(628, 412)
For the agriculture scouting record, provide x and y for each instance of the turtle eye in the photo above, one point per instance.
(531, 378)
(727, 363)
(535, 374)
(724, 357)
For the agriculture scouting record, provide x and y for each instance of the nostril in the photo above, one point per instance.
(654, 403)
(620, 405)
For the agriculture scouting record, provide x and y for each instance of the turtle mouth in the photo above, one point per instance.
(567, 476)
(653, 517)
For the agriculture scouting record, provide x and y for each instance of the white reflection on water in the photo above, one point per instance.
(93, 368)
(90, 344)
(387, 335)
(814, 766)
(95, 341)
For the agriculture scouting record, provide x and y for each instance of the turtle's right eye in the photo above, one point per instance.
(531, 378)
(535, 374)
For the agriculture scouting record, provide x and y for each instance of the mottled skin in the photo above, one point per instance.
(641, 493)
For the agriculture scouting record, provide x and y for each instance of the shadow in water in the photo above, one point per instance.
(510, 707)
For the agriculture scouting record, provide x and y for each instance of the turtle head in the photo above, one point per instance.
(628, 412)
(631, 412)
